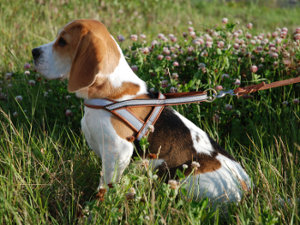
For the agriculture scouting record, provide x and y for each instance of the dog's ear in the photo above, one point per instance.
(86, 63)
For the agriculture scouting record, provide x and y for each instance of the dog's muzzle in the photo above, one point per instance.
(36, 52)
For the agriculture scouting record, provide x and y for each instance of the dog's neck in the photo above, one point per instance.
(121, 84)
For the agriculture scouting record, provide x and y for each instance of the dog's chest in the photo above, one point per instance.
(98, 130)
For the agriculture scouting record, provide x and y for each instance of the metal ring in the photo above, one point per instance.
(213, 96)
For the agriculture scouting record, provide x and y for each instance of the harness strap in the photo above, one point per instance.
(122, 109)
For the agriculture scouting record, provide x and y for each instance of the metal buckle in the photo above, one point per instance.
(223, 93)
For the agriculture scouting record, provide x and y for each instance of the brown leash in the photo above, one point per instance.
(122, 110)
(241, 91)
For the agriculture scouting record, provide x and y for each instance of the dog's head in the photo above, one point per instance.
(82, 50)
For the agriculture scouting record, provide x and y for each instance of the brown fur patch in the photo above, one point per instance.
(91, 49)
(102, 88)
(175, 145)
(207, 164)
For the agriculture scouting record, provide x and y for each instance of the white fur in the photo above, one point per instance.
(203, 145)
(123, 73)
(222, 185)
(114, 151)
(51, 65)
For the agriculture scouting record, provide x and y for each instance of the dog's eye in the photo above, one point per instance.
(61, 42)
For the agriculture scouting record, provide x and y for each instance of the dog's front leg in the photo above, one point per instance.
(115, 158)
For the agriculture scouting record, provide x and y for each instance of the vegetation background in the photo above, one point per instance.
(48, 175)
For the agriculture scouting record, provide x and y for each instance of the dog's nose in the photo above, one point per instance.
(36, 52)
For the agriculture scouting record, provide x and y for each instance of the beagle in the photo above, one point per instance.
(87, 55)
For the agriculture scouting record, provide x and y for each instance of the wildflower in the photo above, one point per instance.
(146, 50)
(160, 36)
(225, 20)
(175, 63)
(274, 55)
(160, 57)
(130, 194)
(283, 34)
(274, 34)
(254, 69)
(224, 75)
(27, 66)
(208, 44)
(19, 98)
(253, 42)
(249, 26)
(173, 89)
(147, 218)
(204, 53)
(134, 68)
(153, 43)
(8, 76)
(190, 29)
(174, 56)
(201, 65)
(166, 51)
(184, 166)
(259, 48)
(155, 177)
(285, 102)
(168, 58)
(173, 39)
(15, 114)
(220, 44)
(190, 49)
(236, 46)
(2, 96)
(164, 83)
(297, 30)
(296, 101)
(193, 34)
(248, 35)
(216, 118)
(68, 113)
(173, 49)
(143, 36)
(195, 165)
(121, 38)
(31, 82)
(297, 36)
(219, 87)
(27, 72)
(173, 184)
(145, 163)
(67, 97)
(134, 37)
(151, 128)
(175, 76)
(284, 29)
(237, 82)
(228, 107)
(278, 40)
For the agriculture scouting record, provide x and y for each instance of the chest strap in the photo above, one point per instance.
(122, 110)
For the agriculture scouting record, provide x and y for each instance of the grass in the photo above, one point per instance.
(48, 173)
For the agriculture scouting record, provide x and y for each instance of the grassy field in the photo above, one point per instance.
(48, 173)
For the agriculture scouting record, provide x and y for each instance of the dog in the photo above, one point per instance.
(87, 55)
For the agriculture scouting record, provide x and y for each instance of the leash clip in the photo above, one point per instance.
(223, 93)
